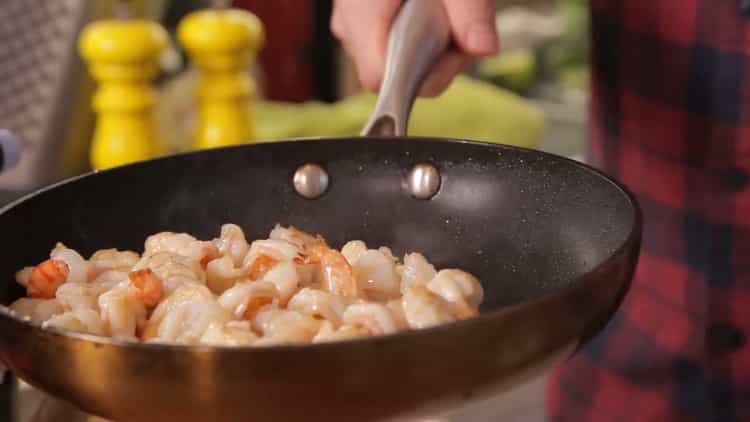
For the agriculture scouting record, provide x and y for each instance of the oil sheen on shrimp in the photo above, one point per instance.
(232, 243)
(319, 304)
(246, 298)
(184, 316)
(423, 308)
(121, 312)
(79, 270)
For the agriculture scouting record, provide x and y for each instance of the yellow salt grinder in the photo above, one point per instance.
(222, 43)
(123, 57)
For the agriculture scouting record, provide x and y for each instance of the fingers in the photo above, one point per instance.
(449, 65)
(362, 27)
(473, 26)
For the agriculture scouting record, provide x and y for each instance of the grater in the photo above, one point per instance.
(43, 95)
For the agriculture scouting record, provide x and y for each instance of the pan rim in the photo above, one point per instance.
(574, 283)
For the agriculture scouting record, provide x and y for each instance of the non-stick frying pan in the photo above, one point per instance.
(554, 243)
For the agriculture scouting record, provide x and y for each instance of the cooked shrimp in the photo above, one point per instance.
(46, 277)
(376, 318)
(328, 332)
(293, 235)
(231, 333)
(148, 286)
(110, 278)
(22, 276)
(122, 314)
(182, 244)
(286, 279)
(112, 259)
(261, 265)
(184, 316)
(319, 304)
(352, 250)
(232, 243)
(280, 326)
(423, 308)
(416, 271)
(81, 320)
(245, 298)
(375, 272)
(174, 270)
(460, 290)
(269, 251)
(397, 311)
(36, 310)
(74, 296)
(79, 270)
(221, 274)
(335, 272)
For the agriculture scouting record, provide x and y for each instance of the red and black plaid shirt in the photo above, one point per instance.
(670, 117)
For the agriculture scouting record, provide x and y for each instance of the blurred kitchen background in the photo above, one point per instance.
(533, 94)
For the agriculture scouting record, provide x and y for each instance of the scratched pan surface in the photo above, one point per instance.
(553, 242)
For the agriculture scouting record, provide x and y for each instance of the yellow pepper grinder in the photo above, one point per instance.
(221, 44)
(123, 57)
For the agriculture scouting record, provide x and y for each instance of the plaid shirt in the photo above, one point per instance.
(670, 117)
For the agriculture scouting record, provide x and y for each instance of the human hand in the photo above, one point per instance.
(362, 27)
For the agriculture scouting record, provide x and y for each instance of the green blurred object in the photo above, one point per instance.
(469, 109)
(513, 70)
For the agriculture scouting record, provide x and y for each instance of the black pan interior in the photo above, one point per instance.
(526, 223)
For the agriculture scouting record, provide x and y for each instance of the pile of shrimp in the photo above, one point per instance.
(289, 288)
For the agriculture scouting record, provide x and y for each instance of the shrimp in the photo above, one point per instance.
(293, 235)
(148, 286)
(81, 320)
(285, 278)
(376, 318)
(245, 299)
(46, 277)
(375, 273)
(335, 272)
(329, 333)
(261, 265)
(397, 311)
(109, 279)
(319, 304)
(184, 316)
(122, 314)
(36, 310)
(460, 290)
(112, 259)
(22, 276)
(416, 271)
(182, 244)
(174, 270)
(221, 274)
(280, 326)
(74, 296)
(231, 333)
(352, 250)
(232, 243)
(79, 270)
(423, 308)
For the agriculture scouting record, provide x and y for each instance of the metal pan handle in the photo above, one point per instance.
(419, 35)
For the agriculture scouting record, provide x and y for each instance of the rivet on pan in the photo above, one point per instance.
(310, 181)
(423, 181)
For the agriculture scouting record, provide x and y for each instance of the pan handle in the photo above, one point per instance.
(419, 35)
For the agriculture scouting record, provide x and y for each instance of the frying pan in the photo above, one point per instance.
(554, 243)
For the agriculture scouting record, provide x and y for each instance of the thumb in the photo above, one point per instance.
(473, 25)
